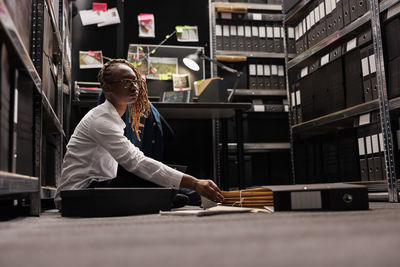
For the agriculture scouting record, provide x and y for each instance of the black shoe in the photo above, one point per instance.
(179, 201)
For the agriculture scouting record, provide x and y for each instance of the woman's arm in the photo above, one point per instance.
(206, 188)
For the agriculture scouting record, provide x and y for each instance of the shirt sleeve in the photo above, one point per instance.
(110, 136)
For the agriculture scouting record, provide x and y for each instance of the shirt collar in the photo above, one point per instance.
(114, 113)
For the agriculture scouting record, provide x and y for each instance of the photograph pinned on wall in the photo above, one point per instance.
(181, 82)
(146, 25)
(137, 55)
(110, 17)
(90, 59)
(89, 17)
(187, 33)
(162, 68)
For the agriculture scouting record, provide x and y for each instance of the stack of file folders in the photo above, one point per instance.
(266, 76)
(252, 198)
(251, 32)
(324, 17)
(342, 78)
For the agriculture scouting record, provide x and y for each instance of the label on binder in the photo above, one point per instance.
(267, 70)
(281, 71)
(317, 14)
(254, 30)
(298, 97)
(372, 63)
(240, 31)
(257, 16)
(308, 22)
(312, 18)
(365, 119)
(226, 15)
(270, 32)
(291, 32)
(304, 72)
(218, 30)
(247, 31)
(321, 10)
(324, 59)
(233, 30)
(375, 143)
(252, 69)
(274, 69)
(381, 143)
(351, 44)
(361, 146)
(225, 29)
(364, 66)
(261, 31)
(293, 98)
(260, 70)
(369, 144)
(328, 6)
(277, 32)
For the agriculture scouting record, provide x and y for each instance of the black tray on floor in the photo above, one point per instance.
(106, 202)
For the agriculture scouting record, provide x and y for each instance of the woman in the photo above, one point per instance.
(98, 143)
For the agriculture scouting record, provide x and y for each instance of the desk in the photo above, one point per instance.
(213, 111)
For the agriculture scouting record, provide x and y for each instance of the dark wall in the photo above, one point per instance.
(114, 40)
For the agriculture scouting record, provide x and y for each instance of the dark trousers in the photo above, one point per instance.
(124, 179)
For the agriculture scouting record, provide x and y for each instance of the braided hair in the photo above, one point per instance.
(137, 110)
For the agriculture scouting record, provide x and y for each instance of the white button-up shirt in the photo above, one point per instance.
(97, 146)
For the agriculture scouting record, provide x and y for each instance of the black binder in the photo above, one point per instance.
(339, 15)
(218, 35)
(252, 76)
(346, 12)
(362, 7)
(5, 119)
(372, 74)
(394, 78)
(278, 41)
(262, 32)
(368, 96)
(291, 41)
(353, 80)
(353, 9)
(240, 38)
(320, 197)
(270, 38)
(260, 76)
(281, 77)
(364, 173)
(392, 39)
(274, 77)
(267, 77)
(233, 36)
(247, 37)
(336, 53)
(226, 37)
(365, 37)
(370, 156)
(105, 202)
(255, 38)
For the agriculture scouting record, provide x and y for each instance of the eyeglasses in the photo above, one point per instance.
(128, 83)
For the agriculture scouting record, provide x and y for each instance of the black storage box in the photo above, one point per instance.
(320, 197)
(106, 202)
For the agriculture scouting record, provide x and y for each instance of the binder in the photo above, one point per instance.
(317, 16)
(218, 35)
(346, 12)
(299, 107)
(368, 96)
(362, 155)
(392, 39)
(260, 76)
(312, 30)
(353, 78)
(328, 17)
(382, 156)
(336, 53)
(361, 7)
(293, 106)
(278, 43)
(305, 41)
(267, 77)
(270, 38)
(240, 38)
(365, 37)
(394, 78)
(377, 158)
(255, 39)
(353, 10)
(5, 108)
(226, 37)
(233, 37)
(322, 22)
(262, 31)
(291, 41)
(339, 15)
(252, 76)
(281, 77)
(247, 38)
(370, 158)
(299, 41)
(372, 74)
(274, 77)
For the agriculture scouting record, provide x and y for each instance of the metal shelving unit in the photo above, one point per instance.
(46, 117)
(382, 103)
(265, 12)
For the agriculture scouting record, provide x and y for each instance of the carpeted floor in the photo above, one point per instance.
(362, 238)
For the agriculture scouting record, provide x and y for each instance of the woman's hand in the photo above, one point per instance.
(205, 188)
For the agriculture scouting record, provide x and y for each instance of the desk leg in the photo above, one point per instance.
(224, 155)
(240, 148)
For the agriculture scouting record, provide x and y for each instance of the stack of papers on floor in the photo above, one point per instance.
(213, 211)
(258, 198)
